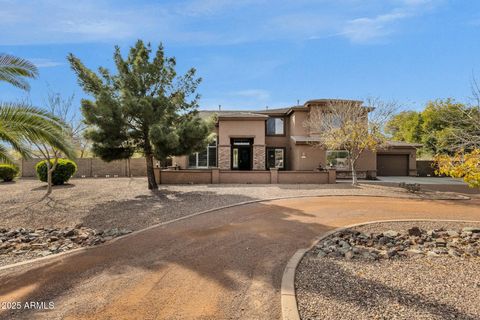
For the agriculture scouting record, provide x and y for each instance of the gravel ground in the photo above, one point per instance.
(416, 287)
(125, 203)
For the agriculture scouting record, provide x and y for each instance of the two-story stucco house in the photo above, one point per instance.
(277, 138)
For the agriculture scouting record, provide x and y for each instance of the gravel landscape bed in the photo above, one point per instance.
(126, 204)
(22, 244)
(394, 270)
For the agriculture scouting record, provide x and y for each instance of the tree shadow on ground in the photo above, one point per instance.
(365, 293)
(159, 206)
(224, 248)
(55, 187)
(234, 250)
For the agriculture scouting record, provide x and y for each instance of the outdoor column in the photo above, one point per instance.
(224, 157)
(332, 176)
(215, 176)
(273, 175)
(258, 157)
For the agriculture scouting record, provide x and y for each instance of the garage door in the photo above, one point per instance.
(392, 165)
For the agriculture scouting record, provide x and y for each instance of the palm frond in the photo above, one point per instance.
(14, 70)
(4, 156)
(22, 124)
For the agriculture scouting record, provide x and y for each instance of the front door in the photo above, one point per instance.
(241, 154)
(244, 160)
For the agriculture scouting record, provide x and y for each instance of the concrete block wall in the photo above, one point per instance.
(91, 167)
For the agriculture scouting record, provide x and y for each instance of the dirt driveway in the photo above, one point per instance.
(226, 264)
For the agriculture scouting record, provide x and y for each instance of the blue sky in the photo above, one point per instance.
(253, 54)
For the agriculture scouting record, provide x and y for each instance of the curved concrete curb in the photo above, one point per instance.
(287, 290)
(77, 250)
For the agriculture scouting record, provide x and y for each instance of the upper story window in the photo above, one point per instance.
(275, 126)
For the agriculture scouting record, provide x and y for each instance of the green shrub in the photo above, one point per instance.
(8, 172)
(63, 171)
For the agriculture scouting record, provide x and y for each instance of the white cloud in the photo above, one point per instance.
(198, 22)
(367, 29)
(45, 63)
(58, 21)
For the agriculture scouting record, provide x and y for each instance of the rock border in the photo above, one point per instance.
(77, 250)
(288, 296)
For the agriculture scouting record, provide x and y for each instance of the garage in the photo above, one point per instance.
(392, 164)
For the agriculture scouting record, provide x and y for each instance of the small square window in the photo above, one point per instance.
(275, 126)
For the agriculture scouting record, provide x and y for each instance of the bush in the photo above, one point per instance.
(410, 187)
(63, 171)
(8, 172)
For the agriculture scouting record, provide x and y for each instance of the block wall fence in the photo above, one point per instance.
(218, 176)
(91, 167)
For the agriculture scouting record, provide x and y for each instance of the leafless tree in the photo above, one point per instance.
(62, 109)
(348, 125)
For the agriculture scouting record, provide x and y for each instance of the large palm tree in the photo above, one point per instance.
(20, 124)
(14, 70)
(24, 125)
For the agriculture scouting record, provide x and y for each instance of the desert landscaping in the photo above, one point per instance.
(249, 160)
(88, 212)
(398, 270)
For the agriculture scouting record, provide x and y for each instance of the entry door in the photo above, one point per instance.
(242, 158)
(242, 153)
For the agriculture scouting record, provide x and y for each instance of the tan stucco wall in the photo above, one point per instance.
(297, 119)
(181, 161)
(303, 177)
(367, 161)
(274, 176)
(256, 177)
(282, 141)
(241, 129)
(313, 157)
(185, 176)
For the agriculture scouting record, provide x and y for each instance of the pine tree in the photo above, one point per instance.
(145, 107)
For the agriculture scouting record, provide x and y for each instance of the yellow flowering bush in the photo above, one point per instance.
(461, 165)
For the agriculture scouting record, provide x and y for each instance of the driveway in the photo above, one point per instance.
(225, 264)
(422, 180)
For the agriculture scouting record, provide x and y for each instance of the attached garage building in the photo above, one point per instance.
(399, 159)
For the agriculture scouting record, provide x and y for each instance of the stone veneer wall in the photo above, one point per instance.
(258, 157)
(224, 157)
